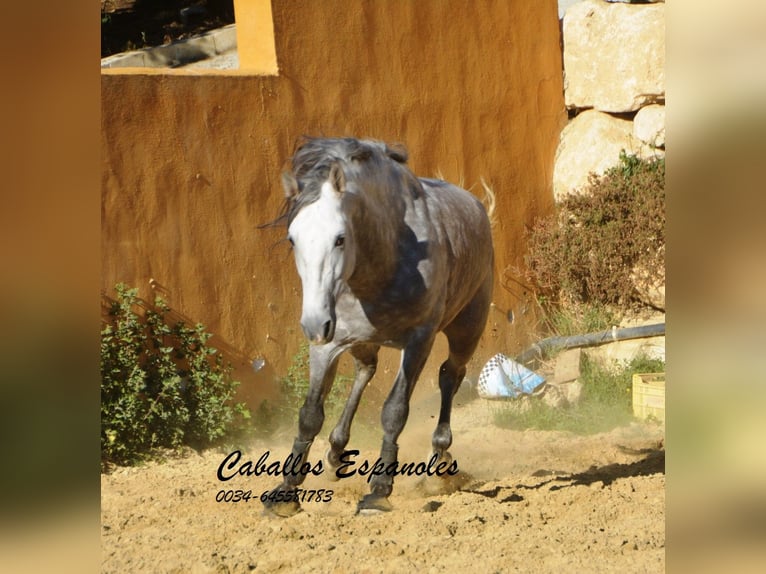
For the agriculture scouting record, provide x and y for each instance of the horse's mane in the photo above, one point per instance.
(319, 153)
(314, 157)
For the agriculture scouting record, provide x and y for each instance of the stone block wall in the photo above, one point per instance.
(614, 88)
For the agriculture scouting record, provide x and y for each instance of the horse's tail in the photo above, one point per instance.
(489, 196)
(489, 202)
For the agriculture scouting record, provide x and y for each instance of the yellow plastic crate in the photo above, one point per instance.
(649, 395)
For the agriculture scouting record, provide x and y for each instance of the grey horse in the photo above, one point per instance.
(385, 259)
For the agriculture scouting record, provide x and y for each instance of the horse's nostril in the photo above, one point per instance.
(318, 332)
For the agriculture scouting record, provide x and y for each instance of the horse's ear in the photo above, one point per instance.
(290, 185)
(397, 152)
(337, 177)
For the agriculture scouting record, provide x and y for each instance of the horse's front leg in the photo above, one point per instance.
(365, 362)
(323, 363)
(394, 416)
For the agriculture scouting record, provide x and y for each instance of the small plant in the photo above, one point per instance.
(162, 386)
(577, 318)
(106, 11)
(587, 250)
(295, 385)
(605, 403)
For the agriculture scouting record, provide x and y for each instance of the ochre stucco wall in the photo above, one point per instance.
(191, 161)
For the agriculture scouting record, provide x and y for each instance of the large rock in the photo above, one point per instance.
(649, 125)
(592, 142)
(614, 55)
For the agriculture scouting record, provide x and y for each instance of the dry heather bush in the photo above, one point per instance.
(585, 252)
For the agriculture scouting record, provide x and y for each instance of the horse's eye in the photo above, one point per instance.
(340, 241)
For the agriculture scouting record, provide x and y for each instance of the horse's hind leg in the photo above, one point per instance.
(451, 374)
(365, 361)
(463, 335)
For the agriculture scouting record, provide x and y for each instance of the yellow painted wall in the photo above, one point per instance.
(255, 36)
(191, 161)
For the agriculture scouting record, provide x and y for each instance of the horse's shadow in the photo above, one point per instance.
(652, 462)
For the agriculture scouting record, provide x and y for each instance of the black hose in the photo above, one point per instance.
(542, 349)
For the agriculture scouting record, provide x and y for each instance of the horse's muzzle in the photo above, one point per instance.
(318, 330)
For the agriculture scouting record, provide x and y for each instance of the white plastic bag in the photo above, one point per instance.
(504, 378)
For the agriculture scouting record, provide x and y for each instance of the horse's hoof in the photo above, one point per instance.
(445, 457)
(282, 502)
(445, 483)
(331, 476)
(372, 504)
(282, 509)
(437, 485)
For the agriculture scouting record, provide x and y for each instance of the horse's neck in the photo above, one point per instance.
(376, 233)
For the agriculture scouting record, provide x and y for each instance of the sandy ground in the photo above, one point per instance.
(530, 501)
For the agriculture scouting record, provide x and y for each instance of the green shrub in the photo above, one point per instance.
(294, 387)
(586, 251)
(295, 384)
(161, 384)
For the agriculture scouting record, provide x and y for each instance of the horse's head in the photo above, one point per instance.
(323, 248)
